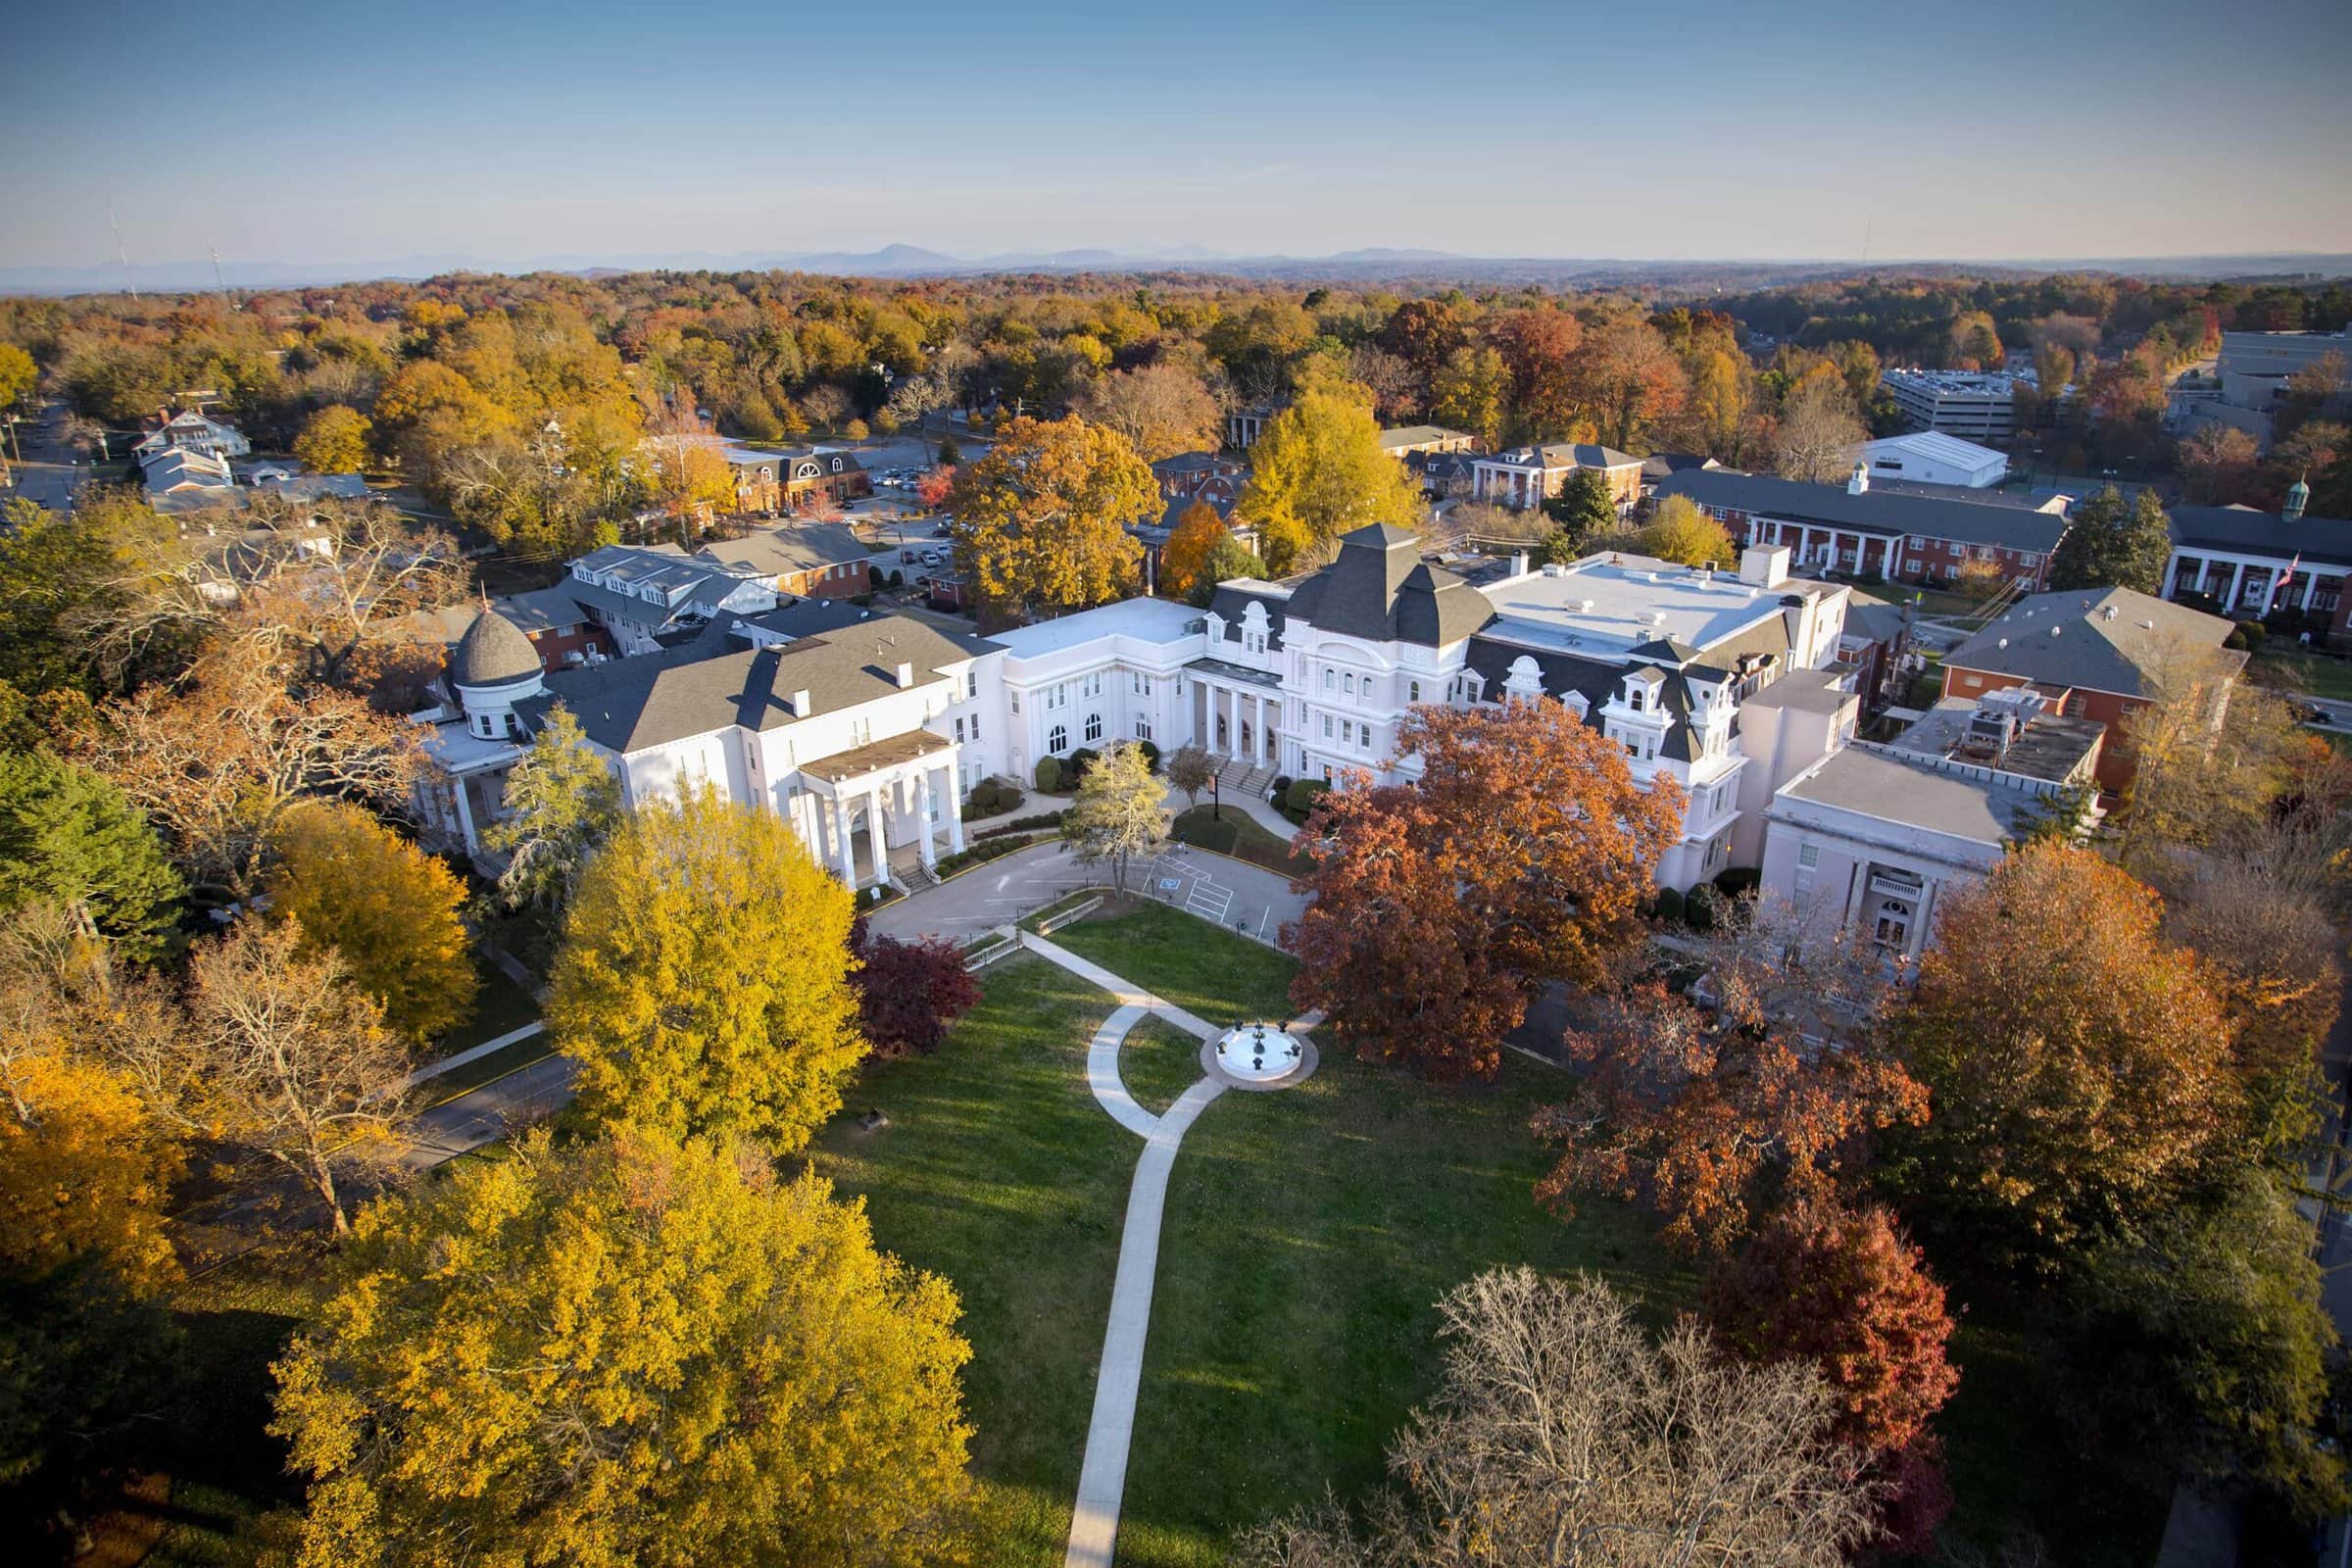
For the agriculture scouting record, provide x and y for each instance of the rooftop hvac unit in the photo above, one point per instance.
(1990, 732)
(1553, 568)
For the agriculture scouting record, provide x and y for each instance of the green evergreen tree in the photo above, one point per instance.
(68, 836)
(1584, 507)
(2111, 543)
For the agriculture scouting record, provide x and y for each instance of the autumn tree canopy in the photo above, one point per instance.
(1184, 559)
(390, 910)
(1522, 853)
(1041, 521)
(626, 1351)
(703, 984)
(1710, 1112)
(1318, 471)
(2079, 1064)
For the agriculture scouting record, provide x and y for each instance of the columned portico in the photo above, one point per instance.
(901, 777)
(1241, 711)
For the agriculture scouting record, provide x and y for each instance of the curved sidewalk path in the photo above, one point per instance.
(1102, 1477)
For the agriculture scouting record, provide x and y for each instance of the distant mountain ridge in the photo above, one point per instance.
(1368, 265)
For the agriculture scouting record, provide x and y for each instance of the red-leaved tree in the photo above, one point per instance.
(1765, 1086)
(1845, 1290)
(910, 991)
(1521, 854)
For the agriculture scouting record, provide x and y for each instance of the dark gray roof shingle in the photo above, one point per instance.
(1879, 511)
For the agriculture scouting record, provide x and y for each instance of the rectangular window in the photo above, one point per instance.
(972, 684)
(1017, 701)
(1327, 726)
(959, 731)
(976, 726)
(1808, 856)
(1143, 730)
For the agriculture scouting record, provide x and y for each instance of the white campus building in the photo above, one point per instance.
(866, 730)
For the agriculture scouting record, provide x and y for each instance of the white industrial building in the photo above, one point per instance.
(1929, 457)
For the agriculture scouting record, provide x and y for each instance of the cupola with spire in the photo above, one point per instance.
(1859, 482)
(2298, 495)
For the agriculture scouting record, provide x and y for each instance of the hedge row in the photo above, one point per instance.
(982, 852)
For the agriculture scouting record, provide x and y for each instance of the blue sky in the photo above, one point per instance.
(515, 133)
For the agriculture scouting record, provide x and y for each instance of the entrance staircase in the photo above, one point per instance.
(1237, 777)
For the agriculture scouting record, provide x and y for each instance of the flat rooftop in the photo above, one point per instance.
(1891, 789)
(1613, 602)
(1150, 620)
(2051, 747)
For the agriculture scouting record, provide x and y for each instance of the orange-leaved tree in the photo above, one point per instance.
(2079, 1064)
(1521, 854)
(1846, 1292)
(1185, 556)
(1770, 1090)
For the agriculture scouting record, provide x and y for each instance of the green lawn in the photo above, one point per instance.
(1239, 835)
(1197, 966)
(1327, 1217)
(1308, 1238)
(2311, 674)
(1001, 1172)
(1157, 1062)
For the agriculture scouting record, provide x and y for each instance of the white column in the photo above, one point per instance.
(465, 816)
(1266, 736)
(877, 834)
(925, 846)
(2310, 581)
(955, 827)
(841, 842)
(2238, 576)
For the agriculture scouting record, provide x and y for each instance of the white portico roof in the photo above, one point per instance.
(1612, 603)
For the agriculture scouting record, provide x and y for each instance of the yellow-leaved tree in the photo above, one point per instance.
(1185, 557)
(386, 905)
(703, 984)
(1682, 533)
(626, 1351)
(1041, 523)
(84, 1164)
(1319, 471)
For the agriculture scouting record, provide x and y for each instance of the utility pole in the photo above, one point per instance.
(219, 282)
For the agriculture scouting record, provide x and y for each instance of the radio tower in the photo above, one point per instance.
(219, 282)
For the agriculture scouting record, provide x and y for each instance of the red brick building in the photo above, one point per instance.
(2095, 653)
(1853, 530)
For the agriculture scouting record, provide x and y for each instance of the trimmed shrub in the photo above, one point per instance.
(983, 850)
(1738, 881)
(1081, 759)
(896, 579)
(1303, 793)
(1048, 775)
(2249, 635)
(1281, 788)
(1668, 909)
(1151, 754)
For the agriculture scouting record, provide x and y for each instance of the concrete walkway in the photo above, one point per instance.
(1102, 1477)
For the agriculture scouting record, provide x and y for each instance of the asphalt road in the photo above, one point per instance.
(51, 474)
(527, 1095)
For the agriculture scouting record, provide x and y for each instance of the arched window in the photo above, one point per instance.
(1093, 728)
(1057, 739)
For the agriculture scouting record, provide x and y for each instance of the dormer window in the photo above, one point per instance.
(1576, 703)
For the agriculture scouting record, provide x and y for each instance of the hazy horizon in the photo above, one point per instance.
(328, 137)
